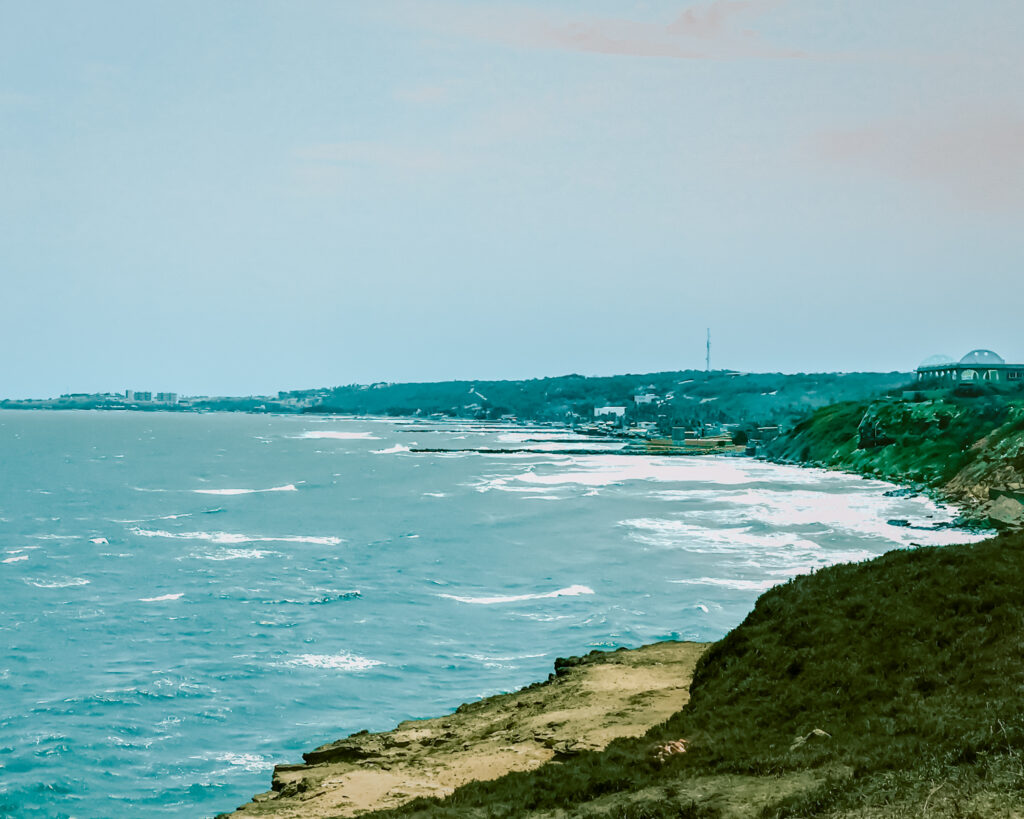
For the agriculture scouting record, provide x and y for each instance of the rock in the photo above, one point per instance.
(1006, 511)
(266, 796)
(817, 733)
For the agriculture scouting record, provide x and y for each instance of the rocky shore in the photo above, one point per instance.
(588, 702)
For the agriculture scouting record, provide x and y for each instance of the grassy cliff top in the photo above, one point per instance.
(912, 665)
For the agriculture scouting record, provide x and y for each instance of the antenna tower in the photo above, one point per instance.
(707, 359)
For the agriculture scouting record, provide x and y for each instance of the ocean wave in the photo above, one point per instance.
(249, 762)
(229, 538)
(99, 541)
(568, 591)
(162, 598)
(340, 436)
(345, 661)
(14, 559)
(729, 583)
(233, 554)
(58, 583)
(392, 450)
(288, 487)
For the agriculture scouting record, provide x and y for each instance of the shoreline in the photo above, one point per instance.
(585, 704)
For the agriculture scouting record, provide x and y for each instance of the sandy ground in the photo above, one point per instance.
(617, 694)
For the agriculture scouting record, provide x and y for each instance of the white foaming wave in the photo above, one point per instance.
(729, 583)
(99, 541)
(568, 591)
(234, 554)
(701, 539)
(162, 598)
(435, 495)
(289, 487)
(862, 511)
(392, 450)
(340, 436)
(608, 470)
(14, 559)
(147, 520)
(59, 583)
(249, 762)
(345, 661)
(229, 538)
(485, 659)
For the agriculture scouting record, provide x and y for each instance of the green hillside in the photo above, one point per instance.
(969, 449)
(911, 664)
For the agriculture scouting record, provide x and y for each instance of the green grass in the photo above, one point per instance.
(913, 662)
(925, 442)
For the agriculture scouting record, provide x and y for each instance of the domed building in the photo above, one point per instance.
(978, 365)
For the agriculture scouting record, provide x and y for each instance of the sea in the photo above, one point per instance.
(187, 600)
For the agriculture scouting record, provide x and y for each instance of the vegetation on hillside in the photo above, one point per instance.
(911, 665)
(968, 448)
(685, 398)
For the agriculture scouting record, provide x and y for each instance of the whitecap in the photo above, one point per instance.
(162, 597)
(234, 554)
(729, 583)
(340, 436)
(289, 487)
(435, 495)
(249, 762)
(59, 583)
(345, 661)
(392, 450)
(568, 591)
(230, 538)
(14, 559)
(99, 541)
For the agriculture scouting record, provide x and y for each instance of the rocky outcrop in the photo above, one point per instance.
(584, 705)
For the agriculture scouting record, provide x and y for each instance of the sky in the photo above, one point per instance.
(245, 196)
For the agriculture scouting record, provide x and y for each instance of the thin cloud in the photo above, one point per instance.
(977, 158)
(715, 30)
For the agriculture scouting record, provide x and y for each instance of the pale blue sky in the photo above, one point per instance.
(233, 197)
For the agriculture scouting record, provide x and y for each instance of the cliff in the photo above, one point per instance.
(968, 450)
(587, 703)
(881, 689)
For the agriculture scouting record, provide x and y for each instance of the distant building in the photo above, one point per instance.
(617, 415)
(646, 398)
(129, 395)
(978, 366)
(142, 396)
(167, 397)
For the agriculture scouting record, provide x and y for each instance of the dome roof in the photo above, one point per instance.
(937, 361)
(982, 357)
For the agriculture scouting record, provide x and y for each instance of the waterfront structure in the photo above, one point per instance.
(982, 366)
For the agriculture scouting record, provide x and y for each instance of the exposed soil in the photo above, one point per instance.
(585, 706)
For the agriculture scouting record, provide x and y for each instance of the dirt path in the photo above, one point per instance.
(603, 697)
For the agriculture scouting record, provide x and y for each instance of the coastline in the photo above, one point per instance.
(587, 703)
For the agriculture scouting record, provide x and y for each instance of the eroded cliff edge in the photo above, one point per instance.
(588, 702)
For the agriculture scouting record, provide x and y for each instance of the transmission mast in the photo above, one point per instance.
(707, 359)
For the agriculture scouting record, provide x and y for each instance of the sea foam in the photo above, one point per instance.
(340, 436)
(345, 661)
(162, 598)
(568, 591)
(289, 487)
(230, 538)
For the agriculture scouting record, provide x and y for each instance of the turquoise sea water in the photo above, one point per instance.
(189, 599)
